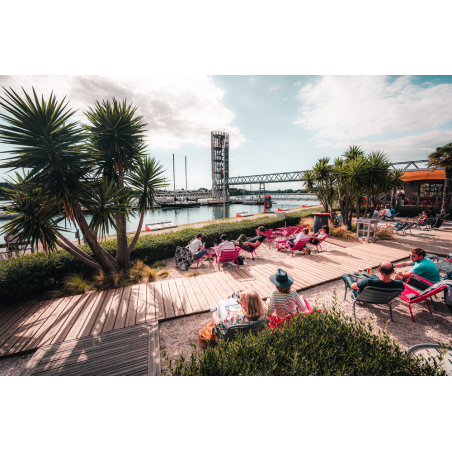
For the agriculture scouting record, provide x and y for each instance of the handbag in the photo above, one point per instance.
(208, 336)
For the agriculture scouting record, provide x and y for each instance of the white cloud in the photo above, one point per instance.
(285, 99)
(275, 87)
(178, 110)
(352, 109)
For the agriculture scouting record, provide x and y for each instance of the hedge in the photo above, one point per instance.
(326, 343)
(29, 277)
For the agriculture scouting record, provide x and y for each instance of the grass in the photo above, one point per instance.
(76, 283)
(194, 273)
(158, 264)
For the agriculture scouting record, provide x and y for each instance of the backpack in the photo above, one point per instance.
(183, 258)
(240, 260)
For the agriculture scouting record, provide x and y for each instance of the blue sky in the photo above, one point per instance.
(276, 123)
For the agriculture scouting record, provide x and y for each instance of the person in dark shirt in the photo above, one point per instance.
(430, 213)
(249, 243)
(384, 281)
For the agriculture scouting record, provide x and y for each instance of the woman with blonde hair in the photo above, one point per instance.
(284, 300)
(247, 309)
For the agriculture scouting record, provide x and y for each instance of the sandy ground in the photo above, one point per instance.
(175, 335)
(12, 365)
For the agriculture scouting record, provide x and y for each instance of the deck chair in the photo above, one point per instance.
(390, 218)
(276, 322)
(408, 228)
(253, 251)
(232, 331)
(411, 296)
(229, 256)
(427, 224)
(298, 246)
(318, 246)
(375, 295)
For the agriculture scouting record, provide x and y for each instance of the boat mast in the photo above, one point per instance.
(186, 195)
(174, 180)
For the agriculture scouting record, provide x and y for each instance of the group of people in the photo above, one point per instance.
(247, 306)
(387, 212)
(198, 248)
(314, 238)
(420, 265)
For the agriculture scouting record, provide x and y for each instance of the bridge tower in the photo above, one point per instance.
(220, 164)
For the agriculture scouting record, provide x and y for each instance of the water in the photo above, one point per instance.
(188, 215)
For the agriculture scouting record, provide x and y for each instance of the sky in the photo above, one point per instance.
(276, 123)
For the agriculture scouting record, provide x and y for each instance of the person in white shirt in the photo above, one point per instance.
(225, 244)
(302, 235)
(196, 247)
(316, 238)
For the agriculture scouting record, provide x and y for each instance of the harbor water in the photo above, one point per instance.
(187, 215)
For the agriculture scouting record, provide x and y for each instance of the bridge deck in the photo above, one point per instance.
(29, 327)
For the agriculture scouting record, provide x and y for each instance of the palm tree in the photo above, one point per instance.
(322, 171)
(379, 165)
(357, 171)
(70, 166)
(442, 157)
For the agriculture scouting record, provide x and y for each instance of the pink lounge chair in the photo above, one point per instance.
(408, 291)
(284, 233)
(253, 251)
(275, 322)
(229, 256)
(197, 259)
(318, 246)
(298, 246)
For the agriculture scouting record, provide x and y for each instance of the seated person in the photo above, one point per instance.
(284, 300)
(247, 309)
(383, 280)
(196, 247)
(322, 233)
(385, 212)
(422, 217)
(249, 243)
(421, 266)
(302, 235)
(225, 244)
(392, 211)
(430, 213)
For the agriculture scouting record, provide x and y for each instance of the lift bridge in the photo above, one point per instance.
(262, 179)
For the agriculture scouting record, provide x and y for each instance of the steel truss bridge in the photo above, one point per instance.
(262, 179)
(193, 196)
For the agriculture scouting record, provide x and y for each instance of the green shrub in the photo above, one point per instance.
(326, 343)
(29, 277)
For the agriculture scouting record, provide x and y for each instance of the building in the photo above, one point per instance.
(220, 164)
(423, 186)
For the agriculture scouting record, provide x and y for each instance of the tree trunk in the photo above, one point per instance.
(107, 265)
(446, 189)
(357, 205)
(137, 234)
(80, 256)
(325, 200)
(122, 257)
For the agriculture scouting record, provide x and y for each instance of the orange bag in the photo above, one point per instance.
(207, 335)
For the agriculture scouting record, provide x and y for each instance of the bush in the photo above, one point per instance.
(326, 343)
(31, 276)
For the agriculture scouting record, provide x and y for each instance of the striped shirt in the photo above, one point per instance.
(283, 304)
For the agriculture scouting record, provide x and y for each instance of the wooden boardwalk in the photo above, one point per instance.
(128, 351)
(29, 327)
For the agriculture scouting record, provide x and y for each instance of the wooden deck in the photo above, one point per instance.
(128, 351)
(29, 327)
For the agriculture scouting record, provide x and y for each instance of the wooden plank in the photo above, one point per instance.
(154, 349)
(176, 298)
(184, 298)
(103, 312)
(5, 314)
(91, 318)
(133, 306)
(33, 362)
(167, 300)
(8, 328)
(158, 296)
(209, 289)
(55, 323)
(151, 303)
(27, 320)
(253, 283)
(205, 296)
(123, 307)
(190, 293)
(217, 281)
(43, 314)
(79, 321)
(69, 316)
(142, 304)
(113, 311)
